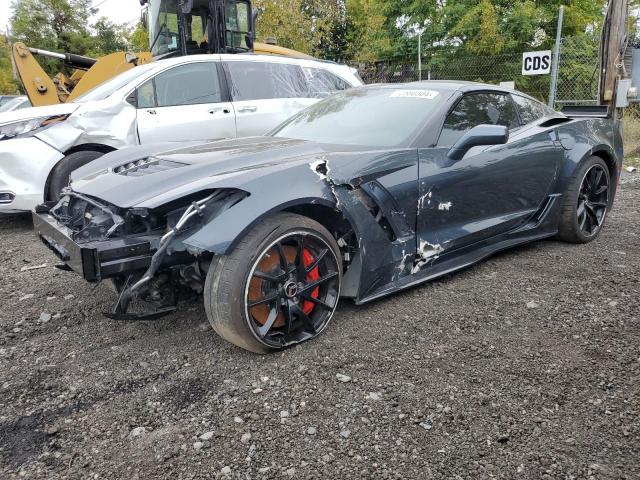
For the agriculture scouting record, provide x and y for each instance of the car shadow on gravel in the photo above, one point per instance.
(16, 222)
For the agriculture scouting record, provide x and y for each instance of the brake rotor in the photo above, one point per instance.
(259, 288)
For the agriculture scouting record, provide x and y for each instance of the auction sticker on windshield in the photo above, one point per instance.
(426, 94)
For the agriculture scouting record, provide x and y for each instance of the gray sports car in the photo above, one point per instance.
(366, 193)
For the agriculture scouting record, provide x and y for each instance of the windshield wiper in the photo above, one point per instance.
(162, 28)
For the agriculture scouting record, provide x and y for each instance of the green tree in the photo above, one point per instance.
(109, 37)
(367, 38)
(310, 26)
(138, 38)
(286, 21)
(59, 25)
(7, 83)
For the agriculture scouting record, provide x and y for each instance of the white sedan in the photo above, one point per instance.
(195, 98)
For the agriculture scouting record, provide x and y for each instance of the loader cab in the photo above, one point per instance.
(191, 27)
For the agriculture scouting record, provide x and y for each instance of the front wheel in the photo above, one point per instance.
(61, 174)
(586, 202)
(279, 287)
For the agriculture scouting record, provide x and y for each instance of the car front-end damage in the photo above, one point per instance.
(150, 222)
(140, 250)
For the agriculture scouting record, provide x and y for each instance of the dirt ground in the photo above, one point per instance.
(524, 366)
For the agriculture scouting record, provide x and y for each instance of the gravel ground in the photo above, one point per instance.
(525, 366)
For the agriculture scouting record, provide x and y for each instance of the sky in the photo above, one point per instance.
(118, 11)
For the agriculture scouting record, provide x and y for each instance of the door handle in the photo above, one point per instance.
(248, 108)
(219, 109)
(152, 112)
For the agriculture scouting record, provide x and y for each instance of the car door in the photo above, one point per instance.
(183, 103)
(491, 190)
(265, 93)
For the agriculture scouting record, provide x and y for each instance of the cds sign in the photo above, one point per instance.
(536, 63)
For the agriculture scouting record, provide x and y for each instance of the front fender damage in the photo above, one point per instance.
(106, 123)
(385, 251)
(379, 246)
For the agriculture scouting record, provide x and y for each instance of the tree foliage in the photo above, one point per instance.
(65, 26)
(138, 38)
(7, 83)
(452, 32)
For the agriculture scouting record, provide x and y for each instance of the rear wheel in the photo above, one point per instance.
(586, 202)
(61, 173)
(279, 287)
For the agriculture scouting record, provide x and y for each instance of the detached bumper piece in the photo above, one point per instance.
(99, 260)
(124, 260)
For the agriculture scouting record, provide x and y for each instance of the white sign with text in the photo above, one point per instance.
(536, 63)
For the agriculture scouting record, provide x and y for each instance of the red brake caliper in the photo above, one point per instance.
(307, 257)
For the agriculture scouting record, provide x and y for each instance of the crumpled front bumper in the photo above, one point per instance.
(98, 260)
(25, 164)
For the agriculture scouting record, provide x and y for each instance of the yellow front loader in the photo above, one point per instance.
(89, 73)
(184, 27)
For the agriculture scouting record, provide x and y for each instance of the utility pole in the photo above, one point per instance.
(553, 90)
(420, 55)
(613, 44)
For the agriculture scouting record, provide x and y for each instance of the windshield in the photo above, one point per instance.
(108, 88)
(5, 99)
(15, 104)
(164, 34)
(375, 117)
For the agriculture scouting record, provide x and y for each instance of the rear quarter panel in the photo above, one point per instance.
(584, 138)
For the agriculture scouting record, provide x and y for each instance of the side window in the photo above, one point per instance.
(191, 84)
(147, 95)
(478, 109)
(323, 83)
(237, 15)
(264, 80)
(530, 110)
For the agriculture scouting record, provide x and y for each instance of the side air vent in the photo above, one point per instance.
(146, 166)
(552, 122)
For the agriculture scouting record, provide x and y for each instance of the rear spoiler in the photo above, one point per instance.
(586, 111)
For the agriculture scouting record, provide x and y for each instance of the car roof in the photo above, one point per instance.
(450, 86)
(241, 56)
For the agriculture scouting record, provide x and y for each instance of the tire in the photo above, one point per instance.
(301, 311)
(61, 173)
(584, 205)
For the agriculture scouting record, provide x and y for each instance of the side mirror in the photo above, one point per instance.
(477, 136)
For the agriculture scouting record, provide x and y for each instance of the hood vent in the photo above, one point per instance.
(146, 166)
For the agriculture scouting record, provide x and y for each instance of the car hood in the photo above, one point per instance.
(38, 112)
(152, 176)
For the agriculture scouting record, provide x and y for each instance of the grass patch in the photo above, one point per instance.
(631, 162)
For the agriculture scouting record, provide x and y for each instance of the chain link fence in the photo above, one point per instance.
(578, 76)
(578, 72)
(449, 66)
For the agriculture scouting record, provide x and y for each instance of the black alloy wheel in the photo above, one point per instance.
(593, 200)
(292, 289)
(278, 286)
(586, 201)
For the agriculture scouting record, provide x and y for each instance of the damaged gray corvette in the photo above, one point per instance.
(366, 193)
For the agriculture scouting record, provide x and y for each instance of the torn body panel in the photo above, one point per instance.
(111, 123)
(487, 193)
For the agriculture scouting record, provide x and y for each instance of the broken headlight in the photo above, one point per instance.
(25, 128)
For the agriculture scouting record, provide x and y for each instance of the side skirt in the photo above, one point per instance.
(459, 262)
